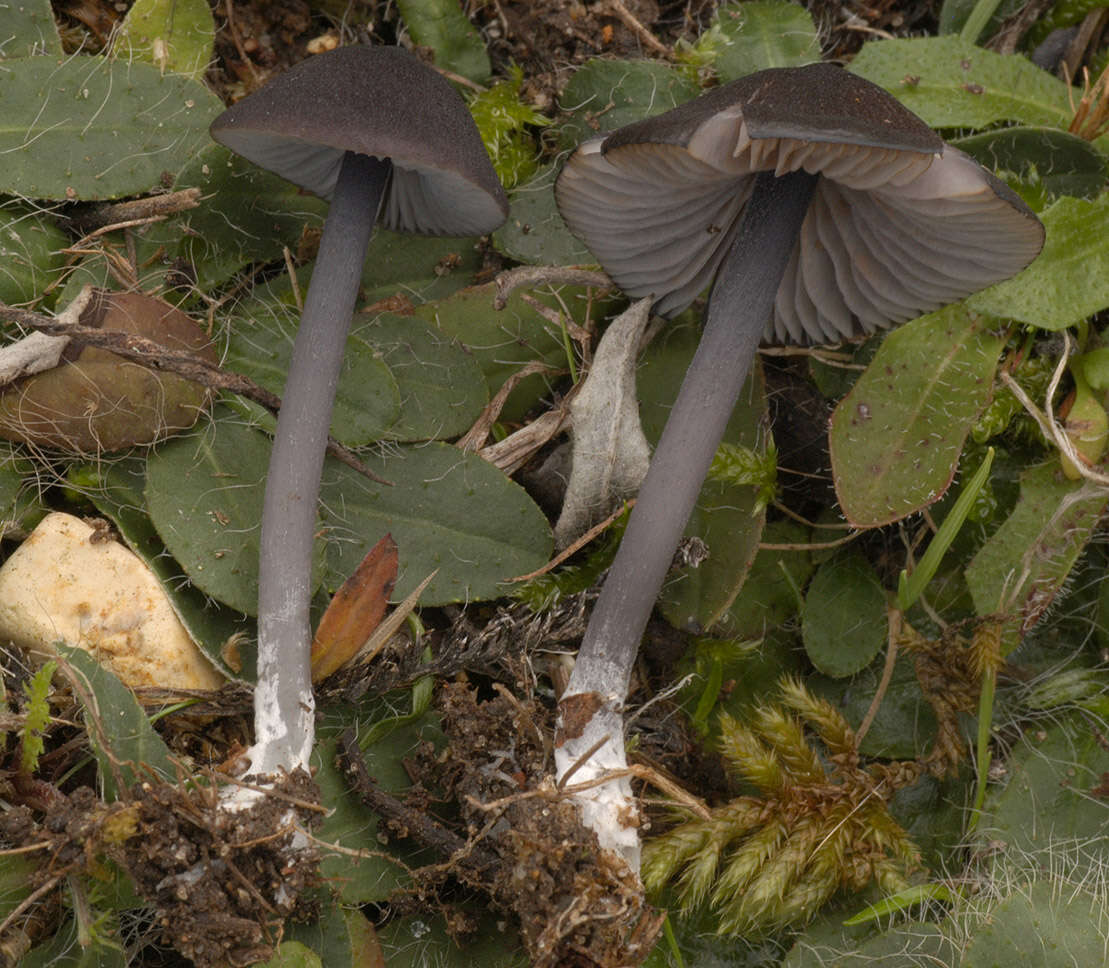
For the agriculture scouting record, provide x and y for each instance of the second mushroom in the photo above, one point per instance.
(819, 209)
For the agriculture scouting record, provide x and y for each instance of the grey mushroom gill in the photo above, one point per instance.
(382, 137)
(819, 209)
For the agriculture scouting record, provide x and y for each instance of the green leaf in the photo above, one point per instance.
(1069, 281)
(441, 388)
(604, 95)
(1047, 800)
(28, 29)
(124, 742)
(30, 252)
(726, 516)
(90, 128)
(442, 26)
(447, 511)
(173, 35)
(950, 83)
(1020, 570)
(762, 34)
(771, 594)
(1040, 925)
(534, 232)
(418, 268)
(421, 941)
(262, 330)
(292, 954)
(954, 14)
(911, 945)
(204, 496)
(896, 437)
(502, 341)
(120, 497)
(1063, 163)
(910, 588)
(246, 215)
(62, 950)
(843, 622)
(374, 876)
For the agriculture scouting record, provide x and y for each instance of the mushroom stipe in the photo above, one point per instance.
(381, 135)
(303, 423)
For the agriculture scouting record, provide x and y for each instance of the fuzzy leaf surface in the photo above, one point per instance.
(1063, 163)
(442, 26)
(172, 35)
(604, 95)
(1069, 279)
(124, 734)
(204, 494)
(1019, 571)
(843, 621)
(762, 34)
(502, 341)
(441, 388)
(896, 437)
(90, 128)
(261, 339)
(446, 510)
(534, 232)
(28, 29)
(950, 83)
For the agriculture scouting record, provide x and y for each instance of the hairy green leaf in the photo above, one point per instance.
(37, 715)
(1063, 163)
(448, 512)
(896, 437)
(762, 34)
(442, 26)
(173, 35)
(441, 388)
(1023, 566)
(125, 744)
(90, 128)
(1069, 281)
(604, 95)
(30, 252)
(28, 28)
(262, 331)
(951, 83)
(843, 622)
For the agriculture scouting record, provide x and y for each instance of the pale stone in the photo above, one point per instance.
(60, 585)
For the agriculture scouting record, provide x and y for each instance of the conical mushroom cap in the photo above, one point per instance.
(377, 101)
(900, 223)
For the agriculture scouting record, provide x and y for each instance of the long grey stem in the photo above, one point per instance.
(283, 704)
(740, 305)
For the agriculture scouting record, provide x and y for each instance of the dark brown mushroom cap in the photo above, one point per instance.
(900, 223)
(377, 101)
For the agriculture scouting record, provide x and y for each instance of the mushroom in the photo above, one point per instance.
(380, 135)
(823, 210)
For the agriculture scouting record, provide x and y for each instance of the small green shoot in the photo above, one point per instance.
(37, 692)
(734, 464)
(901, 901)
(911, 587)
(503, 119)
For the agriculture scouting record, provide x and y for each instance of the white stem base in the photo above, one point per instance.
(608, 809)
